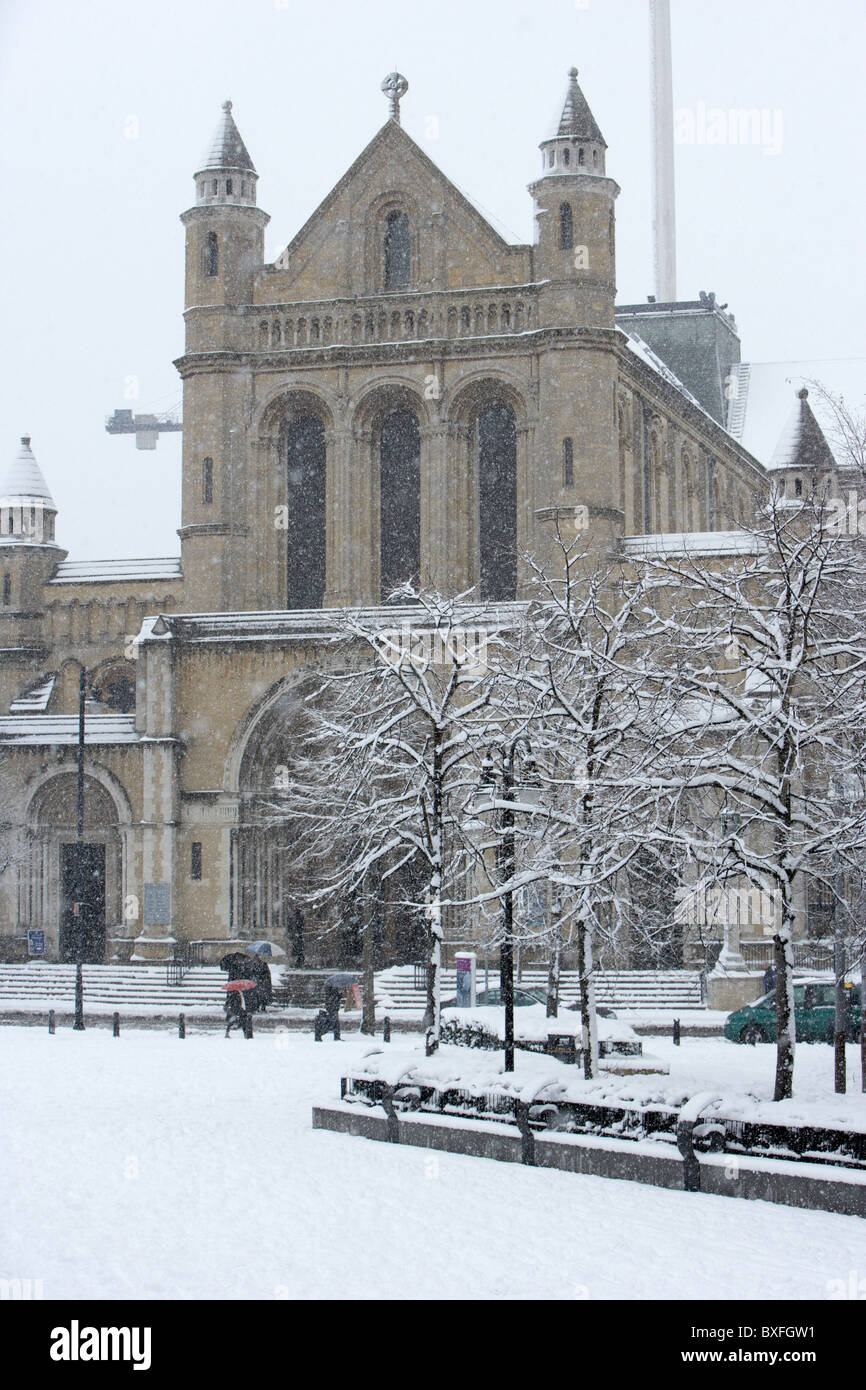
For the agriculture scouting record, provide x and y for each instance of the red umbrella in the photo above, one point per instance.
(240, 985)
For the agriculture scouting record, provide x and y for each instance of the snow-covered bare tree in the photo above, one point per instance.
(381, 787)
(771, 658)
(594, 699)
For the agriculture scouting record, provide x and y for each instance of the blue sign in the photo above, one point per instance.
(36, 943)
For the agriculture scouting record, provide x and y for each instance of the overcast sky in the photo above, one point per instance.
(108, 106)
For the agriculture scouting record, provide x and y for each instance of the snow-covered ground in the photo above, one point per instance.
(149, 1167)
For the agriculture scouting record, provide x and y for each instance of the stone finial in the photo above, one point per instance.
(395, 88)
(803, 394)
(227, 106)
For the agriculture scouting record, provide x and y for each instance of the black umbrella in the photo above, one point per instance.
(341, 980)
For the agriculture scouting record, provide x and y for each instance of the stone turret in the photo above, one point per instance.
(575, 241)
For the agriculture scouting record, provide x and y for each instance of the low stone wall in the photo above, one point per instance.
(807, 1186)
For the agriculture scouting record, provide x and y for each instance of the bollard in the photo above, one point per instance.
(115, 1025)
(181, 1027)
(51, 1023)
(388, 1107)
(386, 1029)
(318, 1025)
(676, 1032)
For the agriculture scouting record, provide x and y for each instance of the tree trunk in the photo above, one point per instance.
(785, 1021)
(587, 1001)
(368, 1017)
(553, 971)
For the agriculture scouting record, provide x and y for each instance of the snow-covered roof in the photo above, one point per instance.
(227, 150)
(23, 481)
(49, 730)
(683, 543)
(35, 700)
(115, 571)
(308, 624)
(762, 413)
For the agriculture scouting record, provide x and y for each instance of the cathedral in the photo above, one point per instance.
(401, 395)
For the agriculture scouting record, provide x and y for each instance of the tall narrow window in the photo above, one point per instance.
(305, 533)
(195, 860)
(212, 254)
(397, 256)
(7, 590)
(399, 501)
(207, 482)
(566, 227)
(497, 502)
(568, 462)
(566, 157)
(229, 187)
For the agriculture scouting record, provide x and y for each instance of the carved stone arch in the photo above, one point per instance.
(489, 422)
(288, 499)
(50, 882)
(375, 224)
(392, 446)
(112, 683)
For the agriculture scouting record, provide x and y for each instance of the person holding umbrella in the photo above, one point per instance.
(235, 964)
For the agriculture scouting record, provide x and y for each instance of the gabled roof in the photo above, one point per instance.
(227, 149)
(392, 133)
(118, 571)
(577, 120)
(24, 480)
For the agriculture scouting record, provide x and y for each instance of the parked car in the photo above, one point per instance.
(814, 1015)
(487, 998)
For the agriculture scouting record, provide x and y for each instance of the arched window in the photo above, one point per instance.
(397, 254)
(399, 501)
(568, 462)
(566, 227)
(305, 530)
(497, 502)
(207, 482)
(212, 254)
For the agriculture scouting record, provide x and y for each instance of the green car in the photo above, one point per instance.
(814, 1015)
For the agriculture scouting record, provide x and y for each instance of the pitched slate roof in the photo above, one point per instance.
(227, 149)
(577, 120)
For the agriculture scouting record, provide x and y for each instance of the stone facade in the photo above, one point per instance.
(401, 394)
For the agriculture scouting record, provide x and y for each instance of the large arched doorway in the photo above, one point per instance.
(305, 456)
(496, 443)
(271, 879)
(399, 501)
(74, 886)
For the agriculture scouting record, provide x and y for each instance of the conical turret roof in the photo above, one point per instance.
(802, 443)
(577, 121)
(23, 481)
(227, 150)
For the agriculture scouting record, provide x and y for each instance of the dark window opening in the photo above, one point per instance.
(568, 462)
(497, 502)
(566, 157)
(195, 860)
(566, 227)
(397, 255)
(798, 487)
(212, 254)
(580, 157)
(7, 590)
(207, 482)
(399, 501)
(305, 531)
(215, 186)
(229, 186)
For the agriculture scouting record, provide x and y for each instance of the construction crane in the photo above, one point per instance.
(146, 428)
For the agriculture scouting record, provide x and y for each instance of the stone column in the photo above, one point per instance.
(156, 938)
(436, 501)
